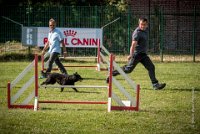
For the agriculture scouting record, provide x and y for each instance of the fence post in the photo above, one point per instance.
(194, 34)
(28, 12)
(62, 17)
(95, 25)
(129, 40)
(149, 27)
(8, 95)
(161, 34)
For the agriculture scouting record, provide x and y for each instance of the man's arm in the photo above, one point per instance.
(132, 49)
(45, 47)
(64, 48)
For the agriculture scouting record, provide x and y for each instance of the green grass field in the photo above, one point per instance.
(166, 111)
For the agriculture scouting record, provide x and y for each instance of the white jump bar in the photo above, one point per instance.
(78, 57)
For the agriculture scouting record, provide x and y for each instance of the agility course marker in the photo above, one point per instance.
(80, 86)
(97, 66)
(134, 102)
(12, 99)
(131, 104)
(110, 84)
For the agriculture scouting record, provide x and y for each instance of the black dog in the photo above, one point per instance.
(62, 79)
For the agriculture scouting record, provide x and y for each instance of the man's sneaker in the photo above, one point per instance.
(43, 75)
(158, 86)
(115, 73)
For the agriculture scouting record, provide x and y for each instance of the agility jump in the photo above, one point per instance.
(133, 101)
(97, 66)
(34, 79)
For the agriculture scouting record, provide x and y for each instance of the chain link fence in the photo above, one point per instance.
(173, 31)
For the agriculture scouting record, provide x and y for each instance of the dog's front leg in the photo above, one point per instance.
(62, 82)
(62, 88)
(75, 89)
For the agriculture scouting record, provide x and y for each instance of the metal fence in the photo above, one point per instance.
(172, 31)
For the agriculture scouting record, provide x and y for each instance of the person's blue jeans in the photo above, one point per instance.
(54, 58)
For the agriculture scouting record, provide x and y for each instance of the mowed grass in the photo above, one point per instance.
(166, 111)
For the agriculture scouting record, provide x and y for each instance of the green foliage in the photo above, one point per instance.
(115, 34)
(121, 5)
(16, 57)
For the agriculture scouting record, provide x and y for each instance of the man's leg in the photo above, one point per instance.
(60, 65)
(146, 61)
(129, 67)
(151, 70)
(50, 61)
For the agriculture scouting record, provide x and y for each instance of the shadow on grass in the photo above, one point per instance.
(102, 79)
(161, 110)
(95, 79)
(6, 87)
(73, 109)
(91, 92)
(173, 89)
(184, 89)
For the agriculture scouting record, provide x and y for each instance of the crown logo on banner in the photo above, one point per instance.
(70, 33)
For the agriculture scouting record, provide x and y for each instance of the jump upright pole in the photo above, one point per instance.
(36, 83)
(8, 95)
(110, 84)
(98, 58)
(138, 96)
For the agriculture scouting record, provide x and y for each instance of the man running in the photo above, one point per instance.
(138, 53)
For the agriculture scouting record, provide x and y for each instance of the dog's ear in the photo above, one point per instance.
(76, 73)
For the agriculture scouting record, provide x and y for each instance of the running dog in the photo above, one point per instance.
(62, 79)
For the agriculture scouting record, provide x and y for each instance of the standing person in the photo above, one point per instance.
(138, 53)
(55, 37)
